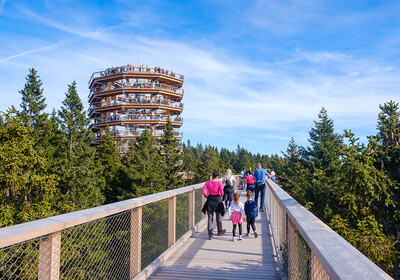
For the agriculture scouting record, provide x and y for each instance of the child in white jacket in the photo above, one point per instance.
(237, 215)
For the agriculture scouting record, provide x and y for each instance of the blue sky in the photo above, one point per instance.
(256, 72)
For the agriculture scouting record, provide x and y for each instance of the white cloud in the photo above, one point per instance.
(33, 51)
(2, 2)
(224, 91)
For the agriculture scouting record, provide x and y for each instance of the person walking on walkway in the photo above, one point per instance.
(236, 214)
(261, 175)
(229, 181)
(213, 191)
(251, 211)
(250, 183)
(243, 178)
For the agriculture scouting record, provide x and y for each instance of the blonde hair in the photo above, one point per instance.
(236, 197)
(228, 174)
(249, 194)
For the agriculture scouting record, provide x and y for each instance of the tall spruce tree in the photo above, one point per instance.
(363, 198)
(172, 157)
(33, 101)
(325, 144)
(110, 159)
(26, 189)
(81, 183)
(209, 162)
(143, 171)
(190, 162)
(323, 158)
(385, 146)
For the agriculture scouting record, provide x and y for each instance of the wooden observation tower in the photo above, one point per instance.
(130, 99)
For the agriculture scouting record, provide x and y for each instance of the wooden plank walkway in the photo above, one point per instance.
(221, 258)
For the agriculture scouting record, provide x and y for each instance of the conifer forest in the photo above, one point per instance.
(48, 167)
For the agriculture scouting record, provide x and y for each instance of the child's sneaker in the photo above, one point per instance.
(247, 234)
(234, 239)
(210, 237)
(240, 237)
(255, 234)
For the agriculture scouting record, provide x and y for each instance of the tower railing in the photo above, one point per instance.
(136, 70)
(136, 101)
(114, 241)
(137, 86)
(309, 249)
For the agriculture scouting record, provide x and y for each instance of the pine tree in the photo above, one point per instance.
(386, 150)
(209, 162)
(363, 197)
(325, 144)
(26, 190)
(190, 162)
(109, 158)
(172, 158)
(143, 171)
(81, 182)
(33, 102)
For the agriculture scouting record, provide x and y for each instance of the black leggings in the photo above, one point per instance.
(234, 229)
(250, 222)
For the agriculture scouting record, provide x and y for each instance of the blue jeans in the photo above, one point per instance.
(260, 187)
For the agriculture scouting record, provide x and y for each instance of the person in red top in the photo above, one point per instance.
(214, 191)
(250, 180)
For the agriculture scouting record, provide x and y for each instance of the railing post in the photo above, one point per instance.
(191, 208)
(49, 257)
(136, 242)
(171, 221)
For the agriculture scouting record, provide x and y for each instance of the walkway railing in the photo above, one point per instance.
(135, 69)
(137, 101)
(114, 241)
(135, 117)
(137, 86)
(308, 248)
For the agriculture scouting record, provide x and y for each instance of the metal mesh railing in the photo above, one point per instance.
(97, 250)
(198, 215)
(20, 261)
(114, 247)
(182, 212)
(299, 255)
(154, 231)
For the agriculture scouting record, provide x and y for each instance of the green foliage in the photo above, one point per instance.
(209, 161)
(26, 190)
(171, 157)
(108, 157)
(33, 102)
(143, 169)
(350, 186)
(80, 184)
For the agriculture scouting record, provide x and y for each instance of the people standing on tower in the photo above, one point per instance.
(229, 181)
(213, 191)
(261, 176)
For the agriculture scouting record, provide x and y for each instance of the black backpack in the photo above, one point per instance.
(228, 184)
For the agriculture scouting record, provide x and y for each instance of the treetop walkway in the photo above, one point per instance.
(163, 236)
